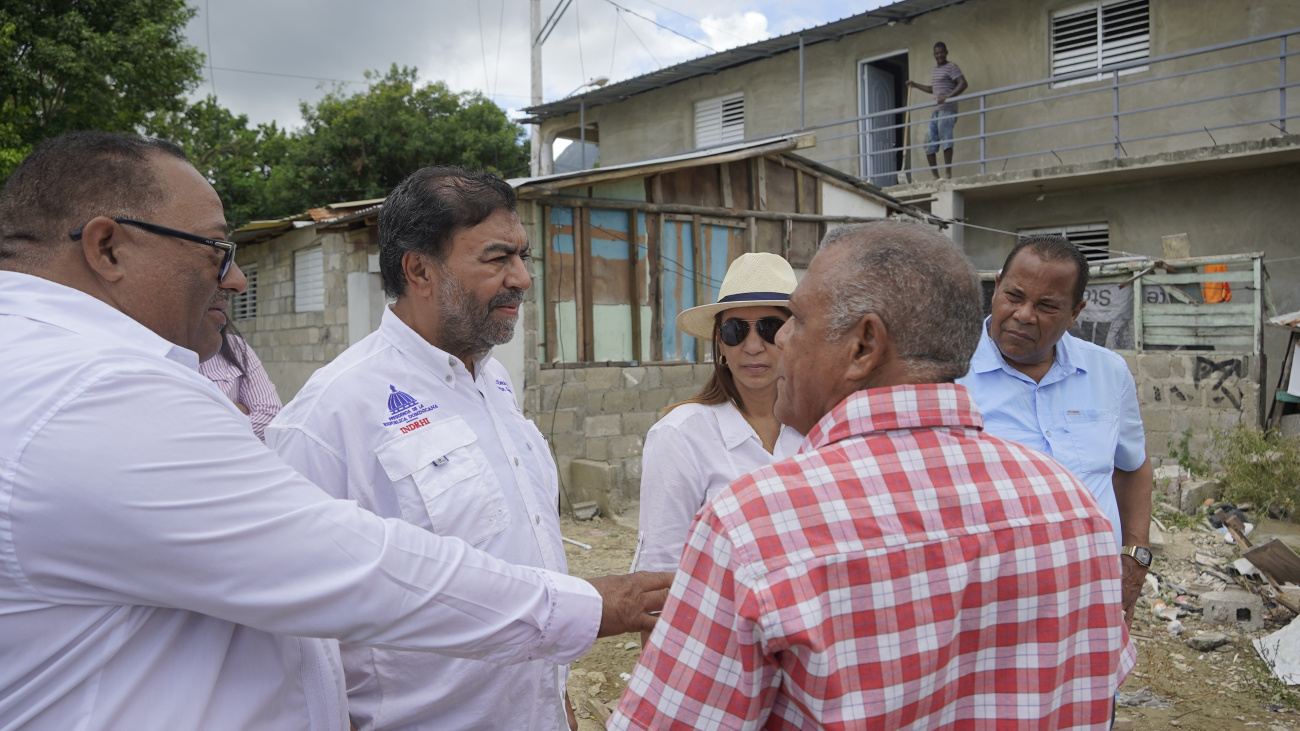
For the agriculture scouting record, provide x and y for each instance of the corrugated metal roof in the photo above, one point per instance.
(901, 11)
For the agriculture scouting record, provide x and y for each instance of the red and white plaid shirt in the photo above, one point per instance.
(906, 571)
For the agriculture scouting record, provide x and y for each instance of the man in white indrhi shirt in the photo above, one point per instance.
(160, 569)
(418, 422)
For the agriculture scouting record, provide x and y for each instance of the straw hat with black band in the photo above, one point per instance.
(752, 280)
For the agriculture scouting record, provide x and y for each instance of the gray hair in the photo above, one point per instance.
(920, 285)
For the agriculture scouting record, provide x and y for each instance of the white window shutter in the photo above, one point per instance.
(309, 280)
(720, 121)
(1098, 35)
(244, 306)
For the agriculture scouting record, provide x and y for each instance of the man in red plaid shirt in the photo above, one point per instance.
(905, 570)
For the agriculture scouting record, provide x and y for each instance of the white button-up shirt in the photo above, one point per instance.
(161, 569)
(402, 428)
(689, 456)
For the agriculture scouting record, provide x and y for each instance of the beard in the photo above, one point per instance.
(467, 325)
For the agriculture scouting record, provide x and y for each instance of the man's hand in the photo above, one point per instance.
(1135, 576)
(940, 99)
(910, 84)
(629, 599)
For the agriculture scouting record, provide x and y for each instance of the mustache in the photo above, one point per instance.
(508, 297)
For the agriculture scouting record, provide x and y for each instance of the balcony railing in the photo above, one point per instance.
(1238, 90)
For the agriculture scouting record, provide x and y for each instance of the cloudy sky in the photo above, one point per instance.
(258, 49)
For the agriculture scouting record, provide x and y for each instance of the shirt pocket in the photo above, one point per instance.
(1094, 433)
(443, 461)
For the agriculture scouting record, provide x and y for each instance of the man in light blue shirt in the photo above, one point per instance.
(1067, 398)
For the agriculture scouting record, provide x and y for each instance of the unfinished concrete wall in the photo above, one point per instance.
(1193, 392)
(596, 420)
(996, 43)
(292, 345)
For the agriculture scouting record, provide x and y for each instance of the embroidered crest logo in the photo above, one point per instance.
(402, 407)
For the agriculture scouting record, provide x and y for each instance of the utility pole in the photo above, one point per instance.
(535, 16)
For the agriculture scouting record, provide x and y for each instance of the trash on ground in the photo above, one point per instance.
(1142, 699)
(1281, 652)
(1206, 641)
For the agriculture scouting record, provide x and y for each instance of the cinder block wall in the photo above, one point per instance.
(1196, 391)
(292, 345)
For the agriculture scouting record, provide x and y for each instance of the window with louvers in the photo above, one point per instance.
(719, 121)
(309, 280)
(1093, 239)
(1099, 35)
(244, 306)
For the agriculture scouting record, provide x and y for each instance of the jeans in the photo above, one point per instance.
(941, 123)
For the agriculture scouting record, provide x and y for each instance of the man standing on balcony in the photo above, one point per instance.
(1067, 398)
(946, 81)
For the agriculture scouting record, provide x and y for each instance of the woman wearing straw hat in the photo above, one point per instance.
(728, 429)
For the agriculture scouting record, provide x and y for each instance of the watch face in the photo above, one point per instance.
(1142, 555)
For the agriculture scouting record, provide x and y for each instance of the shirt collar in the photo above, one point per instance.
(988, 358)
(442, 364)
(915, 406)
(39, 299)
(735, 428)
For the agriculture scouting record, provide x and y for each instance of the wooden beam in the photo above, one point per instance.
(634, 282)
(798, 192)
(654, 267)
(697, 239)
(724, 179)
(690, 210)
(550, 264)
(760, 167)
(751, 234)
(584, 311)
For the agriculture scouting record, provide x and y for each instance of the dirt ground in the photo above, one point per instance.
(1227, 689)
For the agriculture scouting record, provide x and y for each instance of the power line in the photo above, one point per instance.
(496, 78)
(551, 21)
(661, 25)
(207, 29)
(289, 76)
(613, 47)
(577, 21)
(487, 80)
(638, 38)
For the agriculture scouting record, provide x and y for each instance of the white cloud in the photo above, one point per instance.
(737, 29)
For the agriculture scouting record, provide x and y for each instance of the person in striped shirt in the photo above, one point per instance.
(946, 81)
(239, 374)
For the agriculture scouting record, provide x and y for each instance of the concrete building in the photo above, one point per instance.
(618, 252)
(1116, 122)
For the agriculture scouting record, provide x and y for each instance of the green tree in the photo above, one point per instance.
(89, 64)
(238, 160)
(361, 146)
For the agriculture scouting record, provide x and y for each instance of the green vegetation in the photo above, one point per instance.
(123, 66)
(1181, 451)
(1259, 467)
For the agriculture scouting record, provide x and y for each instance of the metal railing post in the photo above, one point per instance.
(1114, 85)
(1281, 87)
(983, 140)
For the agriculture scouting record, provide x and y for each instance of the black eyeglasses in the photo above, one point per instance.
(227, 248)
(734, 331)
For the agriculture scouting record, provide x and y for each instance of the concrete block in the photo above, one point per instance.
(549, 376)
(595, 402)
(572, 396)
(632, 377)
(598, 448)
(619, 402)
(1234, 606)
(1155, 367)
(592, 481)
(603, 379)
(639, 422)
(626, 446)
(1194, 493)
(684, 392)
(676, 376)
(656, 399)
(607, 425)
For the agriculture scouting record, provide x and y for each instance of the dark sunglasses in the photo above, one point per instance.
(227, 248)
(734, 331)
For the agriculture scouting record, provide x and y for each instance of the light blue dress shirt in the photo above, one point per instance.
(1084, 413)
